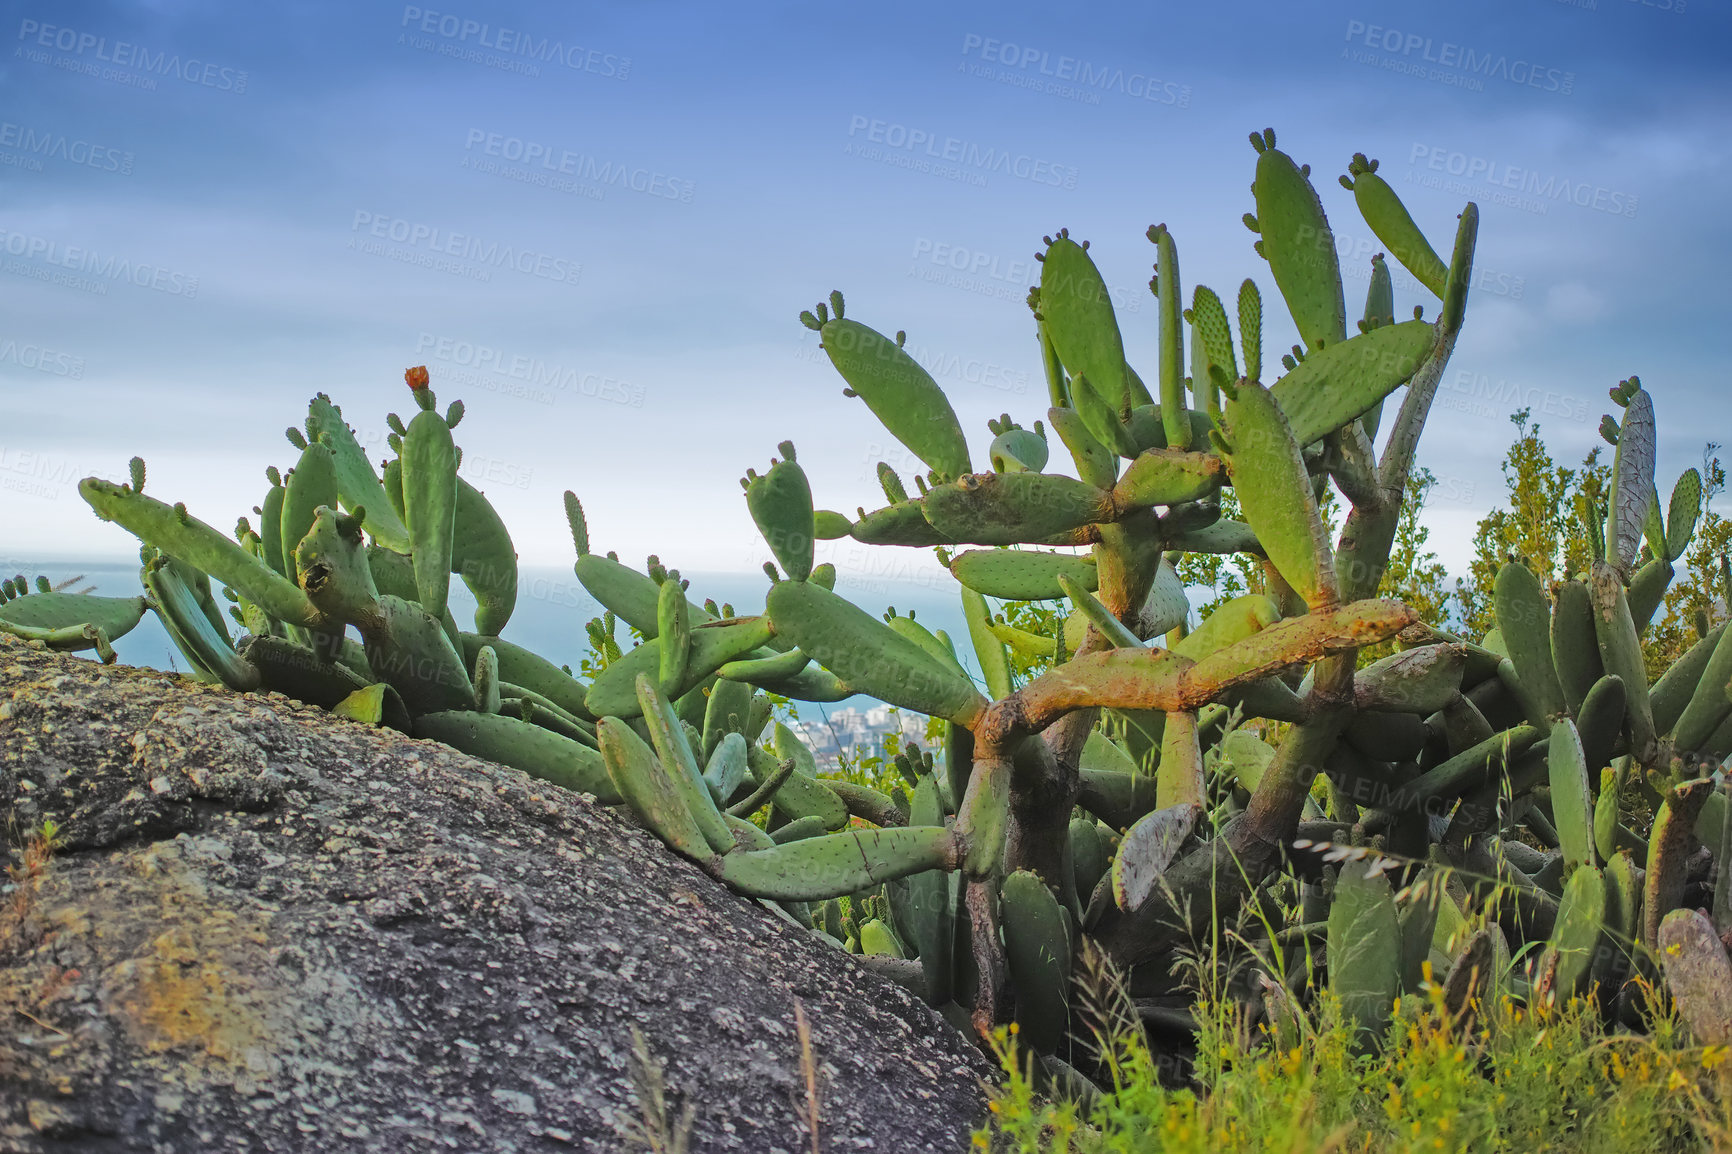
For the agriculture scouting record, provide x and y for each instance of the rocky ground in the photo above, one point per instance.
(267, 929)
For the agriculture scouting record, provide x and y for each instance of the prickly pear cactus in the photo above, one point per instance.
(1155, 776)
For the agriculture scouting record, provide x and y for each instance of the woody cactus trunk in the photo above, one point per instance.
(1160, 776)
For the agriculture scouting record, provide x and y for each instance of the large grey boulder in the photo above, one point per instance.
(268, 929)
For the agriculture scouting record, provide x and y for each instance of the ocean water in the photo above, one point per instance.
(553, 608)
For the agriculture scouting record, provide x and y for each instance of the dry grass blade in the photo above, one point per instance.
(809, 1070)
(654, 1132)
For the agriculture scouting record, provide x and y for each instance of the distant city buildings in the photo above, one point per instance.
(857, 733)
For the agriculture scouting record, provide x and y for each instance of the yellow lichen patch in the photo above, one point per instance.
(195, 982)
(186, 993)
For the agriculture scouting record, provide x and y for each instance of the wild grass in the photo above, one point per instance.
(1506, 1077)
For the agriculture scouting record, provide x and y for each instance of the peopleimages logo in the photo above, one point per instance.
(1513, 185)
(1074, 78)
(39, 144)
(554, 161)
(460, 32)
(926, 146)
(1457, 64)
(534, 373)
(81, 260)
(27, 355)
(124, 55)
(431, 242)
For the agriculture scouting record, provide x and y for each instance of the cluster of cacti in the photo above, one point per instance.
(69, 622)
(1119, 797)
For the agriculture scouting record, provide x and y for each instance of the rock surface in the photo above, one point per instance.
(267, 929)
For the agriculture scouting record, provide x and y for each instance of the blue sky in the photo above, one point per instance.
(596, 224)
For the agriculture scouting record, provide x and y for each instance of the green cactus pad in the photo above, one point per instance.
(1251, 327)
(1364, 949)
(409, 649)
(1575, 650)
(1524, 617)
(1013, 508)
(1648, 587)
(309, 486)
(201, 641)
(519, 666)
(1021, 574)
(1179, 776)
(1147, 428)
(1421, 681)
(1572, 795)
(810, 684)
(1098, 615)
(357, 484)
(642, 782)
(1274, 490)
(430, 505)
(1229, 624)
(271, 527)
(1077, 310)
(713, 644)
(1419, 909)
(1579, 928)
(1095, 463)
(1708, 704)
(181, 535)
(728, 710)
(1037, 947)
(1300, 248)
(1209, 317)
(868, 655)
(628, 594)
(1101, 417)
(114, 616)
(1167, 477)
(1681, 513)
(903, 524)
(483, 556)
(988, 649)
(1389, 220)
(802, 795)
(1379, 311)
(1340, 383)
(1606, 816)
(673, 637)
(1170, 300)
(1619, 945)
(681, 764)
(922, 904)
(781, 505)
(1600, 721)
(900, 393)
(540, 753)
(817, 868)
(1246, 757)
(1088, 853)
(1017, 451)
(940, 651)
(765, 665)
(1621, 652)
(1221, 537)
(828, 525)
